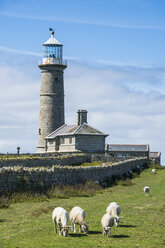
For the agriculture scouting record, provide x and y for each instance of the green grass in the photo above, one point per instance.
(28, 223)
(31, 156)
(95, 163)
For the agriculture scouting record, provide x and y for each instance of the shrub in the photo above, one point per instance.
(135, 174)
(4, 201)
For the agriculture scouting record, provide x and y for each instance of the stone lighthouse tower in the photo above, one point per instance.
(52, 90)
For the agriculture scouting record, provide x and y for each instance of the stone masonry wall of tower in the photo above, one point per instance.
(51, 101)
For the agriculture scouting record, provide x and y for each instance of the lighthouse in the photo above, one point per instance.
(52, 67)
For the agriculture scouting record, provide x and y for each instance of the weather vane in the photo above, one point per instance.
(52, 30)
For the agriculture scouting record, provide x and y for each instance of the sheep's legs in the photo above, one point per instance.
(74, 228)
(115, 222)
(80, 230)
(109, 233)
(60, 232)
(55, 226)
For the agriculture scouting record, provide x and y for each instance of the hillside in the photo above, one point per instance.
(28, 223)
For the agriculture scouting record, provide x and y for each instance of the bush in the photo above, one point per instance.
(4, 201)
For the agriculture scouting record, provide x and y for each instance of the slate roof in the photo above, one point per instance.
(83, 129)
(128, 148)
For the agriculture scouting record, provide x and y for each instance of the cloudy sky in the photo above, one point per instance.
(116, 68)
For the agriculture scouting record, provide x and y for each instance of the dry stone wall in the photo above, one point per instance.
(44, 162)
(14, 178)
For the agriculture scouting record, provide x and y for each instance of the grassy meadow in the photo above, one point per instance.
(27, 222)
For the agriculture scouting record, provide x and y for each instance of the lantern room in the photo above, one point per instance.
(52, 50)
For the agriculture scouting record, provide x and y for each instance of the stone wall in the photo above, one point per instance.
(44, 162)
(90, 143)
(14, 178)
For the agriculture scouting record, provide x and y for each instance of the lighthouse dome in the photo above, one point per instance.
(52, 41)
(53, 51)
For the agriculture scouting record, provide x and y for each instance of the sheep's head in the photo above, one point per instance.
(107, 231)
(117, 220)
(65, 231)
(85, 227)
(146, 190)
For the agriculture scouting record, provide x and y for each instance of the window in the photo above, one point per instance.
(51, 142)
(62, 141)
(70, 140)
(39, 131)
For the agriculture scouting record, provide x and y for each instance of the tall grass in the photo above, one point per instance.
(88, 189)
(79, 190)
(156, 166)
(5, 201)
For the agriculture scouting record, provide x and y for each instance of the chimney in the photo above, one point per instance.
(81, 117)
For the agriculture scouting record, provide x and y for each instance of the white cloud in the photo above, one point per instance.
(78, 21)
(129, 114)
(19, 101)
(7, 49)
(126, 102)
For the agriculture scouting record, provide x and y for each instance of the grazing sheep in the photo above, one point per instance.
(114, 210)
(77, 216)
(146, 190)
(107, 222)
(154, 171)
(60, 219)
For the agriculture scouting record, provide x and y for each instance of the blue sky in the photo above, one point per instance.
(116, 67)
(126, 31)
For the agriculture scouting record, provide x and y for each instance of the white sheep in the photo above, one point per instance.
(107, 222)
(154, 171)
(77, 216)
(114, 210)
(146, 190)
(60, 219)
